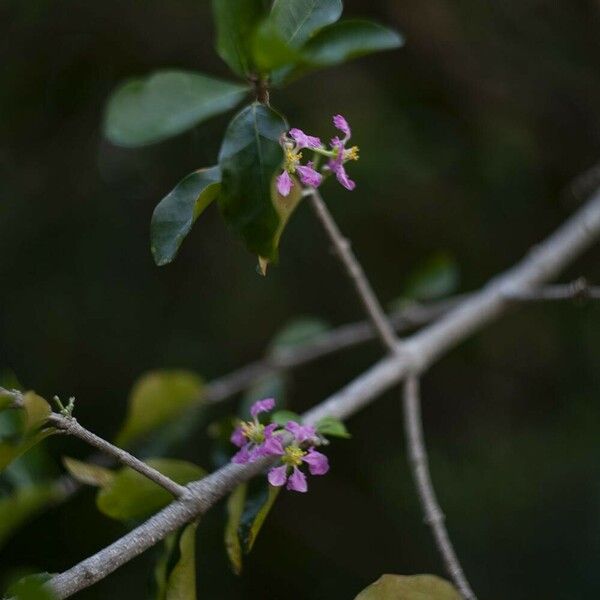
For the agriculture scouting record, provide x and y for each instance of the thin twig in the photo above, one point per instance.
(419, 351)
(69, 425)
(578, 290)
(434, 517)
(356, 273)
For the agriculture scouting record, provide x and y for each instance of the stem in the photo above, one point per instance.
(70, 426)
(477, 311)
(355, 271)
(434, 517)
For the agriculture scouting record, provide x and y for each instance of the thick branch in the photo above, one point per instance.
(579, 290)
(355, 271)
(70, 426)
(434, 516)
(421, 350)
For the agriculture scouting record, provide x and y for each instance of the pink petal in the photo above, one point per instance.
(277, 476)
(342, 177)
(242, 456)
(303, 140)
(272, 447)
(341, 124)
(262, 406)
(301, 432)
(317, 462)
(308, 175)
(269, 429)
(297, 481)
(284, 183)
(237, 437)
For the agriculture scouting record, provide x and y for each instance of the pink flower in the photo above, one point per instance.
(255, 440)
(336, 164)
(289, 472)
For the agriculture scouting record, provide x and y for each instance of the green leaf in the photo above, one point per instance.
(281, 417)
(151, 109)
(87, 473)
(414, 587)
(157, 398)
(332, 427)
(23, 504)
(181, 582)
(270, 50)
(274, 385)
(437, 277)
(297, 332)
(235, 509)
(256, 509)
(298, 20)
(175, 214)
(349, 39)
(249, 159)
(130, 495)
(235, 21)
(31, 588)
(24, 428)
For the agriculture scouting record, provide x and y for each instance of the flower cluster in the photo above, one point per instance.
(309, 174)
(294, 444)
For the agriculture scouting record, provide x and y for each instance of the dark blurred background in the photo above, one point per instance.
(470, 136)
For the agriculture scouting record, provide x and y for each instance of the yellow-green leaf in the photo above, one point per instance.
(130, 495)
(235, 509)
(158, 398)
(256, 509)
(88, 473)
(181, 583)
(413, 587)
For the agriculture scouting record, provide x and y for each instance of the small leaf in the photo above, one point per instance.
(257, 507)
(297, 332)
(151, 109)
(88, 473)
(274, 385)
(235, 21)
(235, 509)
(437, 277)
(175, 214)
(181, 582)
(332, 427)
(298, 20)
(349, 39)
(24, 504)
(130, 495)
(249, 158)
(281, 417)
(31, 588)
(157, 398)
(414, 587)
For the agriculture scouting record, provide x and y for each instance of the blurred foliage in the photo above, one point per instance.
(470, 138)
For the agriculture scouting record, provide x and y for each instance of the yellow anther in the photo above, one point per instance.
(293, 456)
(352, 153)
(253, 431)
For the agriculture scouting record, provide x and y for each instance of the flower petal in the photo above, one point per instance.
(297, 481)
(238, 438)
(272, 447)
(318, 463)
(303, 140)
(301, 432)
(284, 183)
(342, 177)
(261, 406)
(308, 175)
(277, 476)
(269, 429)
(340, 123)
(242, 456)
